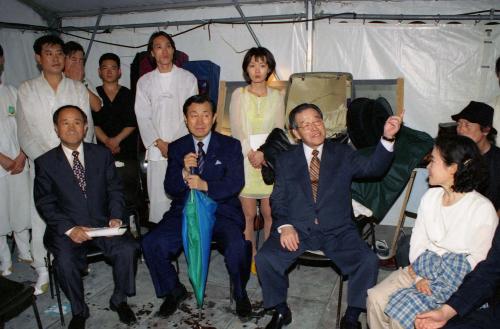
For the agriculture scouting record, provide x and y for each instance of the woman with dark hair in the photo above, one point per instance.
(452, 234)
(254, 111)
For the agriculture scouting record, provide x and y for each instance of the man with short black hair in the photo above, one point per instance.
(219, 174)
(76, 189)
(74, 68)
(37, 99)
(116, 125)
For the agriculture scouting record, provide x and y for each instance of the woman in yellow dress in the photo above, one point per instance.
(255, 110)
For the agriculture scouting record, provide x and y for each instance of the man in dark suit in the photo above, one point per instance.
(219, 173)
(77, 188)
(311, 208)
(462, 310)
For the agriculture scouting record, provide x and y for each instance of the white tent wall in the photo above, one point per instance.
(223, 44)
(444, 66)
(18, 45)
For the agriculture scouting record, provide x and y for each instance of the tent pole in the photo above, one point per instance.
(96, 27)
(310, 6)
(244, 18)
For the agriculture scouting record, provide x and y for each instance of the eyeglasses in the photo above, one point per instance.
(309, 125)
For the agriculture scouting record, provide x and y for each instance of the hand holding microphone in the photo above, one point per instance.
(191, 175)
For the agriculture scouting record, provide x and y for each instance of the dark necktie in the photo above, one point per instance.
(79, 173)
(201, 157)
(314, 173)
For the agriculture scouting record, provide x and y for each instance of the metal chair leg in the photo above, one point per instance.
(339, 301)
(59, 304)
(37, 315)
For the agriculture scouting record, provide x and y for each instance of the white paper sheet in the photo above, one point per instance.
(257, 140)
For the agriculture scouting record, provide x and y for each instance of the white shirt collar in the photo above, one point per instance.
(308, 152)
(69, 154)
(205, 142)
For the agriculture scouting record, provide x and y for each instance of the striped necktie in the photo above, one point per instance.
(201, 157)
(79, 173)
(314, 173)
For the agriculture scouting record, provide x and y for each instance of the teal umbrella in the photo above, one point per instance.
(197, 225)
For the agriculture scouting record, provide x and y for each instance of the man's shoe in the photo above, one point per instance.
(172, 301)
(243, 307)
(344, 324)
(77, 322)
(279, 320)
(125, 314)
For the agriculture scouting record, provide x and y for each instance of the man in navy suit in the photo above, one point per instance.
(311, 208)
(220, 175)
(462, 310)
(77, 188)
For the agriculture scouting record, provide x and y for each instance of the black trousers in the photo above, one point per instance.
(70, 260)
(487, 318)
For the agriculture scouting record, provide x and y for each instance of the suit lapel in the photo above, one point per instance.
(89, 167)
(213, 147)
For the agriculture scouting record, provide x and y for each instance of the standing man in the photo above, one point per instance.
(74, 68)
(158, 106)
(77, 188)
(116, 126)
(37, 100)
(311, 208)
(220, 174)
(476, 122)
(14, 181)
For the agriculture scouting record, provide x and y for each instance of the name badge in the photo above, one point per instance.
(11, 110)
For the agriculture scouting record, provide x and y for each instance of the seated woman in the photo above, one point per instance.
(453, 232)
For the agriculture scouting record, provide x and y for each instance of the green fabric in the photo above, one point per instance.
(195, 268)
(380, 194)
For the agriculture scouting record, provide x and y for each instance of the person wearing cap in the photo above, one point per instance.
(476, 122)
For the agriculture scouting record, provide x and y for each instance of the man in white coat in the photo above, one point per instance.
(37, 100)
(158, 107)
(14, 181)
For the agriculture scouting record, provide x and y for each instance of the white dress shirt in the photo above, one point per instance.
(158, 106)
(9, 146)
(36, 104)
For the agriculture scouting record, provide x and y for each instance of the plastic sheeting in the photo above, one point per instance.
(444, 66)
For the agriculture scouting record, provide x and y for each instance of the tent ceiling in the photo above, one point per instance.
(65, 8)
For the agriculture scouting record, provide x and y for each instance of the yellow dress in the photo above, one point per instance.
(250, 114)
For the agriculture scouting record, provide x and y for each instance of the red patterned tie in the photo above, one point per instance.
(314, 173)
(79, 173)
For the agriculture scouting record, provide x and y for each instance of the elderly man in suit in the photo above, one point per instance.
(219, 173)
(77, 188)
(462, 310)
(311, 208)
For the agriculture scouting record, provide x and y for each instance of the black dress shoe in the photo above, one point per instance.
(77, 322)
(172, 301)
(243, 307)
(344, 324)
(279, 320)
(125, 314)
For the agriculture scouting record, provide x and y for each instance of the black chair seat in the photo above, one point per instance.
(16, 297)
